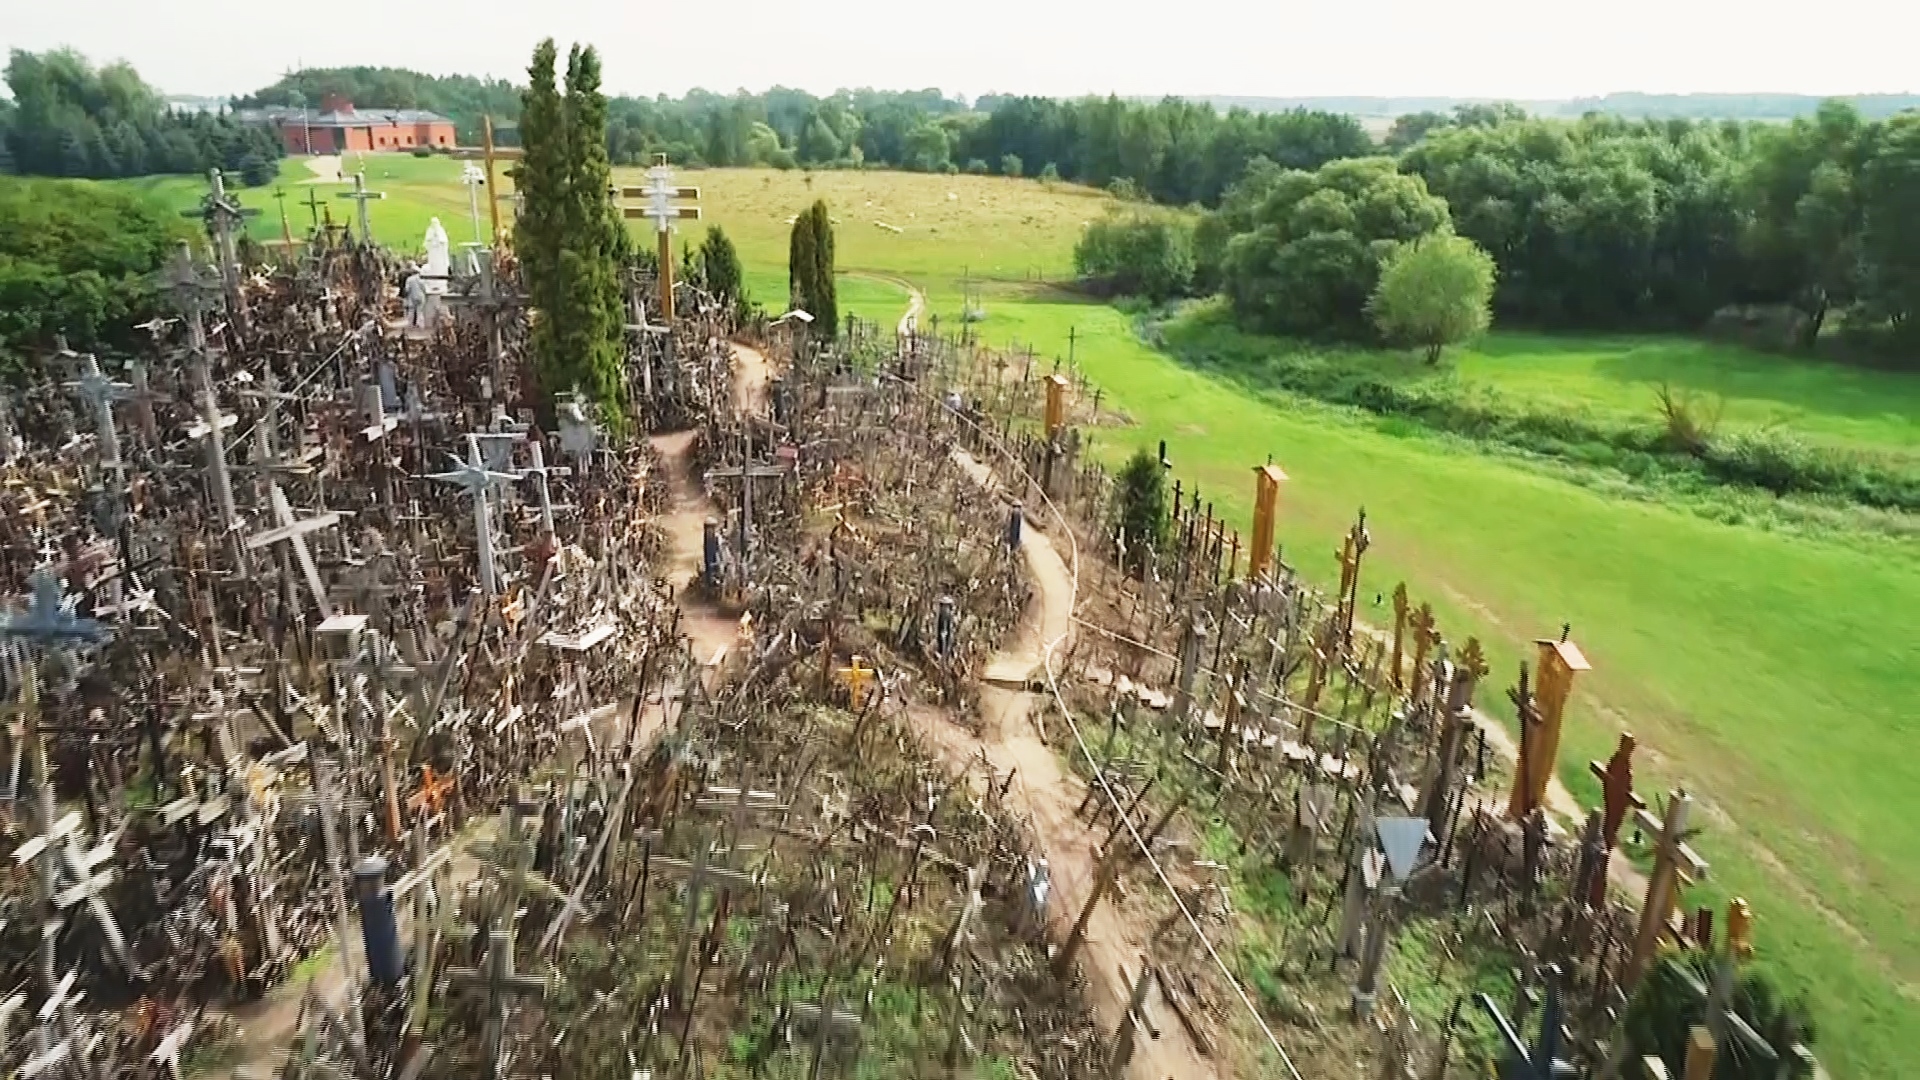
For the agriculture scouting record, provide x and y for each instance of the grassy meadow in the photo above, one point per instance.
(1773, 674)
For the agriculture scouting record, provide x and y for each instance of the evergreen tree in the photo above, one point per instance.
(1140, 507)
(825, 307)
(595, 241)
(802, 267)
(541, 181)
(720, 266)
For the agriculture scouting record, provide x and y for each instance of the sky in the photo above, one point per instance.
(1507, 49)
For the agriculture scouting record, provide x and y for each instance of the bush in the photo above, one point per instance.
(976, 167)
(1136, 255)
(1049, 173)
(1011, 165)
(422, 151)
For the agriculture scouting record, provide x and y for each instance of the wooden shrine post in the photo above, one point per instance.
(660, 191)
(1266, 504)
(1541, 717)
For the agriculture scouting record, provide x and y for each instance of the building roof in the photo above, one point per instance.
(281, 115)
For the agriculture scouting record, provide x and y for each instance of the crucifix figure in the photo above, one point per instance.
(1616, 787)
(502, 987)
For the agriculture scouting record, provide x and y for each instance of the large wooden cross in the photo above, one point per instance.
(1674, 863)
(362, 196)
(502, 987)
(1618, 798)
(660, 192)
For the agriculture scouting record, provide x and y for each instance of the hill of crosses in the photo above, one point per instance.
(792, 702)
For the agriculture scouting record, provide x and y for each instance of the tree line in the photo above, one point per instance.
(1593, 224)
(69, 119)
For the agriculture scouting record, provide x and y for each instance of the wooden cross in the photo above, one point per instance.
(502, 987)
(738, 803)
(1674, 863)
(362, 196)
(221, 214)
(660, 192)
(700, 875)
(1425, 635)
(1616, 787)
(1351, 549)
(101, 392)
(1399, 633)
(858, 678)
(838, 1023)
(293, 532)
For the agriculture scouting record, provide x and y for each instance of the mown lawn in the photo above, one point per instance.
(1773, 674)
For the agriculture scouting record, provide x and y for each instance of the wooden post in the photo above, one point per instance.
(1266, 504)
(1056, 404)
(1700, 1054)
(1559, 661)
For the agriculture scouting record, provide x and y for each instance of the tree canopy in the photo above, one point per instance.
(1136, 255)
(71, 119)
(1434, 292)
(76, 258)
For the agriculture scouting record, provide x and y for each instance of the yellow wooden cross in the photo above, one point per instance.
(858, 678)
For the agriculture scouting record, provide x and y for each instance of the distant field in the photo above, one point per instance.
(1773, 674)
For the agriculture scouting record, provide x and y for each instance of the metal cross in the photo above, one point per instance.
(476, 479)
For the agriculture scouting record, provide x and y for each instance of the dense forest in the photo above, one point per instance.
(69, 119)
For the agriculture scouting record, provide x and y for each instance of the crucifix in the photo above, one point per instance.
(1674, 863)
(502, 987)
(738, 803)
(1351, 549)
(828, 1023)
(747, 472)
(476, 479)
(190, 289)
(660, 193)
(362, 196)
(101, 392)
(1616, 787)
(221, 215)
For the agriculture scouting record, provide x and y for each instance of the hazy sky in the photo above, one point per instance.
(1464, 48)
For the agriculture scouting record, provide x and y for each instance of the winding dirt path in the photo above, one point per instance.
(1046, 795)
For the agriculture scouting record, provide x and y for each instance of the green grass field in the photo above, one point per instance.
(1773, 674)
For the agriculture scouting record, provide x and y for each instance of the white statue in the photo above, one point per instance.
(439, 258)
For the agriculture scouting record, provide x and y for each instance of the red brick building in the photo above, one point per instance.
(337, 127)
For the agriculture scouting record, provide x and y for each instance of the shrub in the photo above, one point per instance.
(976, 167)
(1136, 255)
(1011, 165)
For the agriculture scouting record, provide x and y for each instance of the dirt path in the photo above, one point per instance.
(325, 168)
(1047, 796)
(916, 300)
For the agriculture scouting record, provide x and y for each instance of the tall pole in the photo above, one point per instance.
(493, 198)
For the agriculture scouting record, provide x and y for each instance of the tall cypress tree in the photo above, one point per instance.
(568, 237)
(802, 266)
(595, 235)
(826, 305)
(538, 229)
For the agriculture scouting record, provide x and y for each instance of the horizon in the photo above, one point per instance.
(1406, 51)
